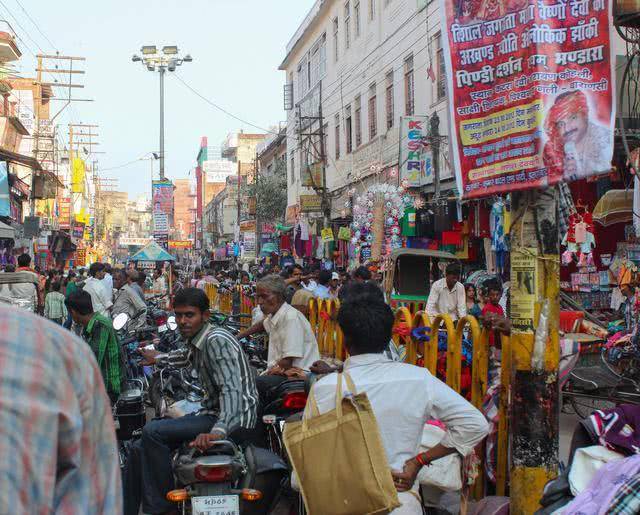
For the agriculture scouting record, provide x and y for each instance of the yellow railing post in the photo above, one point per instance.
(402, 316)
(420, 319)
(431, 352)
(503, 420)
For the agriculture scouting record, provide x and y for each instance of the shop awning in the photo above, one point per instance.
(152, 252)
(615, 206)
(6, 231)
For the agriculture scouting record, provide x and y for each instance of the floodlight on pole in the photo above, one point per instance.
(168, 60)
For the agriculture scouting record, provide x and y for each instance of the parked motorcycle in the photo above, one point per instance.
(227, 480)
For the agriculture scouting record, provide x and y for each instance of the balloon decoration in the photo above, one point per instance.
(376, 220)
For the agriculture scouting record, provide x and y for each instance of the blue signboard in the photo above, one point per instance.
(5, 204)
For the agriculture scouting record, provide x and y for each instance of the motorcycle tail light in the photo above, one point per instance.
(213, 474)
(295, 400)
(177, 495)
(249, 494)
(161, 320)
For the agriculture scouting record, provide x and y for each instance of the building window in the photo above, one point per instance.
(303, 77)
(293, 168)
(336, 50)
(441, 77)
(358, 120)
(409, 92)
(318, 61)
(372, 10)
(389, 100)
(337, 135)
(373, 112)
(347, 130)
(356, 15)
(347, 25)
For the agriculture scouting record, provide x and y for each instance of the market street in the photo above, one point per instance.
(320, 256)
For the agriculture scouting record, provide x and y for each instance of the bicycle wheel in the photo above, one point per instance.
(584, 406)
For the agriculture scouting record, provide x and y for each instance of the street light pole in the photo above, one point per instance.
(168, 60)
(162, 72)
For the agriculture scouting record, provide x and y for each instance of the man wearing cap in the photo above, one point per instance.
(334, 285)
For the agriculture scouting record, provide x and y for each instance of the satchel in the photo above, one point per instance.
(339, 458)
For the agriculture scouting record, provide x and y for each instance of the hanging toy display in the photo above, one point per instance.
(376, 220)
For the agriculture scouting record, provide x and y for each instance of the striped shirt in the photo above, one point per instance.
(103, 341)
(54, 308)
(58, 445)
(226, 376)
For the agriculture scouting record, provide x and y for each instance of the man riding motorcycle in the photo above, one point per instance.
(127, 300)
(230, 406)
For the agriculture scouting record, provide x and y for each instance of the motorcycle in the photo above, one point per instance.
(227, 480)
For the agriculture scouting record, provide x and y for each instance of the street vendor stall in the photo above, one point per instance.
(152, 255)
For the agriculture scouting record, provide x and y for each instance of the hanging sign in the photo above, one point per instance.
(530, 90)
(327, 235)
(415, 153)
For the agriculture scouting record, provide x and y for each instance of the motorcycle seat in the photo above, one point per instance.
(594, 378)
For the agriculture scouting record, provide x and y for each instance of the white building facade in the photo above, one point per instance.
(362, 64)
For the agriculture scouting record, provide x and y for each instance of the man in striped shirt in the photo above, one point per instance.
(229, 409)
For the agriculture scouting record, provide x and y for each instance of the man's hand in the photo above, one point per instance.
(321, 368)
(404, 480)
(149, 356)
(205, 440)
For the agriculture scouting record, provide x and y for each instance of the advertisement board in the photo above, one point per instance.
(135, 242)
(64, 208)
(162, 197)
(180, 244)
(415, 154)
(160, 223)
(310, 203)
(218, 170)
(5, 204)
(530, 89)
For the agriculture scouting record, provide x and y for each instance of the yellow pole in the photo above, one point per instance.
(534, 395)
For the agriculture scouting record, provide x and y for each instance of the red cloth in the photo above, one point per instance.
(490, 308)
(452, 238)
(285, 242)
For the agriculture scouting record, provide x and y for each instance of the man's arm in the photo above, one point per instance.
(225, 367)
(461, 302)
(255, 328)
(432, 301)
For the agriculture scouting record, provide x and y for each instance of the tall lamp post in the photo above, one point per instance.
(154, 61)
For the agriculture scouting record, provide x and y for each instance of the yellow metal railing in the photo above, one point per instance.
(323, 320)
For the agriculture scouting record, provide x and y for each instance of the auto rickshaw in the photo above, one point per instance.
(410, 274)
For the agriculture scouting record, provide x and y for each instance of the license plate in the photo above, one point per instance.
(162, 328)
(215, 505)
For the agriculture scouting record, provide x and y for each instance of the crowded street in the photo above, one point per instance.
(383, 259)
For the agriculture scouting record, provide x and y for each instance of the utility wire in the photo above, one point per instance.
(213, 104)
(37, 26)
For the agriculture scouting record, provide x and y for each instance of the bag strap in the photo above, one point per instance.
(313, 408)
(351, 387)
(339, 396)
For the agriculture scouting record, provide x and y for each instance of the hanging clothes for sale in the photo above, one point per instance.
(303, 226)
(425, 223)
(298, 243)
(636, 205)
(498, 240)
(442, 218)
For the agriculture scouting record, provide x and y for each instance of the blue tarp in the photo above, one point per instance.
(152, 252)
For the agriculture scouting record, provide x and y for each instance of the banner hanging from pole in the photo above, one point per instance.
(530, 90)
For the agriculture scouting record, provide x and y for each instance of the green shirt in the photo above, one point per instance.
(71, 287)
(103, 341)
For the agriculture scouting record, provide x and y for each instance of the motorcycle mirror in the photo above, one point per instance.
(171, 323)
(120, 321)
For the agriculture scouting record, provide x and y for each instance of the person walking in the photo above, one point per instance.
(54, 307)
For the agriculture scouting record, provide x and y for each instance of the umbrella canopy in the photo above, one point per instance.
(152, 252)
(615, 206)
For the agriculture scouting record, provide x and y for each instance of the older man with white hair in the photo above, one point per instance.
(292, 343)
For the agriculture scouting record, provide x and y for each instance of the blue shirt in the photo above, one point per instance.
(322, 292)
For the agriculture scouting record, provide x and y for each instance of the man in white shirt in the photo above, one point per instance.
(291, 340)
(94, 287)
(447, 296)
(403, 398)
(323, 289)
(107, 281)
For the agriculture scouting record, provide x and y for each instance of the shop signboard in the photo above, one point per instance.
(133, 242)
(312, 176)
(248, 226)
(160, 223)
(180, 244)
(530, 90)
(77, 231)
(415, 157)
(162, 240)
(5, 204)
(64, 208)
(218, 170)
(310, 203)
(81, 257)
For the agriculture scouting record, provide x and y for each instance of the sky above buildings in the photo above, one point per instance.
(236, 47)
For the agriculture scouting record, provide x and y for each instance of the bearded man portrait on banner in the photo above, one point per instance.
(576, 146)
